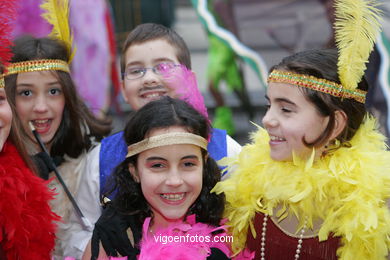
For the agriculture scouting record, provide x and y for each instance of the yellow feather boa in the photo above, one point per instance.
(346, 189)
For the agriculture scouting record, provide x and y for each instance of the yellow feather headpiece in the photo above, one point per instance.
(357, 26)
(57, 14)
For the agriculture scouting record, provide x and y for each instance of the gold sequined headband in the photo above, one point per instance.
(166, 139)
(36, 65)
(2, 84)
(318, 84)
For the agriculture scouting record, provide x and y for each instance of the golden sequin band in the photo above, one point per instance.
(322, 85)
(36, 65)
(166, 139)
(2, 83)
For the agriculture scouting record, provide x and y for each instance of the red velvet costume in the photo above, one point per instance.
(27, 228)
(282, 246)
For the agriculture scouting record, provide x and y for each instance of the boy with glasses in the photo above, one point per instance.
(149, 51)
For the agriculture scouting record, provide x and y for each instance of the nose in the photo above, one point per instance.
(150, 78)
(40, 104)
(174, 178)
(269, 120)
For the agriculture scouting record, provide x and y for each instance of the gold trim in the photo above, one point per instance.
(166, 139)
(2, 83)
(318, 84)
(36, 65)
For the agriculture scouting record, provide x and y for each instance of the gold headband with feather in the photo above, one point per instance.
(56, 13)
(356, 28)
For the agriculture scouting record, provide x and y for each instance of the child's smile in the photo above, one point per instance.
(290, 120)
(170, 177)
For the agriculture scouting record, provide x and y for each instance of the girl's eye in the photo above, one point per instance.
(157, 165)
(286, 110)
(25, 93)
(54, 91)
(189, 164)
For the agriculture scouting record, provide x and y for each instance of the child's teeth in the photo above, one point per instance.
(41, 121)
(275, 138)
(153, 95)
(173, 196)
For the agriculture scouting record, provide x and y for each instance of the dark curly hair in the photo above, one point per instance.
(165, 113)
(323, 64)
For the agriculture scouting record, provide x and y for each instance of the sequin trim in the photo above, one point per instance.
(36, 65)
(322, 85)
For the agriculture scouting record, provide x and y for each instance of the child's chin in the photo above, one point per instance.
(280, 157)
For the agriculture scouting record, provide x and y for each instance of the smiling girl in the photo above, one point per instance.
(314, 182)
(42, 93)
(165, 183)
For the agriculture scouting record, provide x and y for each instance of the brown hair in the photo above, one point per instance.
(149, 32)
(78, 124)
(15, 136)
(323, 64)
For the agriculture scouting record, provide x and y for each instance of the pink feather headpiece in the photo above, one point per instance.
(7, 16)
(184, 83)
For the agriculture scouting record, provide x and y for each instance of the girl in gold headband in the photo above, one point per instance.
(42, 94)
(27, 224)
(165, 183)
(314, 182)
(24, 200)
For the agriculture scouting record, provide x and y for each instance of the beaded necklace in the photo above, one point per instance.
(263, 234)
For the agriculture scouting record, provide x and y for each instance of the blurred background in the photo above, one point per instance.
(243, 37)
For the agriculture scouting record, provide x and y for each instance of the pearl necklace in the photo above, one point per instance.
(264, 231)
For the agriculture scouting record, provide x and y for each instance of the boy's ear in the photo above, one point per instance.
(123, 90)
(133, 172)
(340, 122)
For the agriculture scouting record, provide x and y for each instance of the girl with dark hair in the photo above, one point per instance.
(165, 183)
(43, 96)
(27, 228)
(314, 182)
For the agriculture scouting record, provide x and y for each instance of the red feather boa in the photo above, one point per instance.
(27, 228)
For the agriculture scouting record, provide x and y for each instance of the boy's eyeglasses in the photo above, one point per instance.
(159, 69)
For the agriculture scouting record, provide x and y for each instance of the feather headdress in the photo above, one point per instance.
(185, 86)
(57, 14)
(7, 15)
(357, 26)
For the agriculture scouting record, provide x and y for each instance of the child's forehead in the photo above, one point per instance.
(152, 44)
(151, 50)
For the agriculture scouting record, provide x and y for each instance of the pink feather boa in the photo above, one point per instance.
(193, 244)
(155, 247)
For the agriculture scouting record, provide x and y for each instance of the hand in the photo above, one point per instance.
(111, 231)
